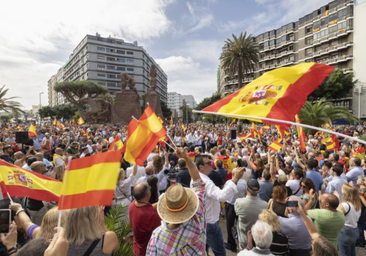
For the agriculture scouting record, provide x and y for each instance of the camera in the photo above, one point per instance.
(292, 203)
(172, 174)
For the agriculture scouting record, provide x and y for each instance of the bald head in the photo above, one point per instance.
(140, 191)
(149, 170)
(19, 155)
(39, 167)
(329, 201)
(39, 156)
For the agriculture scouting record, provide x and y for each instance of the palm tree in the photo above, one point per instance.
(324, 112)
(7, 104)
(240, 55)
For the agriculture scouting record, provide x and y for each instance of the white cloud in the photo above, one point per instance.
(40, 35)
(204, 21)
(190, 8)
(177, 64)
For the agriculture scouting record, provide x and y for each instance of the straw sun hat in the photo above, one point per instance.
(178, 204)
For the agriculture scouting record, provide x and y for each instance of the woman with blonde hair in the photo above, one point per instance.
(351, 207)
(159, 169)
(279, 244)
(85, 231)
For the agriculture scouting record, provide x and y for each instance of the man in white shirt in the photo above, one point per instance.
(139, 173)
(215, 195)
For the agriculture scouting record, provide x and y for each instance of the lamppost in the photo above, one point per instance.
(360, 88)
(40, 105)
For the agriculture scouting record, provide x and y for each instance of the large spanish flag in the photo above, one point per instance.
(90, 181)
(24, 183)
(143, 135)
(277, 94)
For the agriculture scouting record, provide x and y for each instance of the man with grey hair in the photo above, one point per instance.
(262, 235)
(248, 209)
(299, 239)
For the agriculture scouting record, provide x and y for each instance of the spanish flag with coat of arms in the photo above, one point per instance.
(277, 94)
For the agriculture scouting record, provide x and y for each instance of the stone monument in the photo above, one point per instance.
(99, 110)
(127, 102)
(152, 97)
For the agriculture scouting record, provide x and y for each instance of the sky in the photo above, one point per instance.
(184, 37)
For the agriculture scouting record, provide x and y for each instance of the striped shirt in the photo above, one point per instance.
(188, 239)
(279, 244)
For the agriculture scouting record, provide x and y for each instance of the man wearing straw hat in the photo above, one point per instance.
(183, 229)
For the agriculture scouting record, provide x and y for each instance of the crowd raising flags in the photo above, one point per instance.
(32, 131)
(80, 121)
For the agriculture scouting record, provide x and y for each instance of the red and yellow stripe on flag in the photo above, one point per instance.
(24, 183)
(116, 144)
(329, 143)
(90, 181)
(54, 121)
(244, 136)
(264, 128)
(80, 121)
(301, 134)
(32, 131)
(276, 145)
(143, 135)
(255, 133)
(277, 94)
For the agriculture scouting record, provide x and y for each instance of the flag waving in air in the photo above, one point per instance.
(116, 144)
(90, 181)
(277, 94)
(254, 132)
(32, 131)
(80, 121)
(54, 121)
(301, 134)
(143, 135)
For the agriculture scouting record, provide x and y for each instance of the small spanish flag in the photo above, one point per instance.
(55, 121)
(32, 131)
(276, 145)
(329, 143)
(233, 122)
(80, 121)
(116, 144)
(255, 133)
(60, 125)
(301, 134)
(90, 181)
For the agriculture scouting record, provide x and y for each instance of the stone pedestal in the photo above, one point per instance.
(153, 98)
(126, 105)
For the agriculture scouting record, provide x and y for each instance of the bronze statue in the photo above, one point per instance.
(99, 110)
(127, 80)
(153, 74)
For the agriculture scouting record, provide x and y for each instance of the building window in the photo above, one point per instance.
(111, 59)
(130, 69)
(110, 67)
(130, 61)
(110, 50)
(101, 75)
(120, 52)
(129, 53)
(309, 40)
(121, 68)
(100, 57)
(100, 48)
(308, 52)
(101, 67)
(308, 29)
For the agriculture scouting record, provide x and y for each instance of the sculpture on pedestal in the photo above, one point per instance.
(152, 97)
(99, 110)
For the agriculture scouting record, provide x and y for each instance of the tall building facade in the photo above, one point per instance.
(325, 35)
(176, 101)
(102, 60)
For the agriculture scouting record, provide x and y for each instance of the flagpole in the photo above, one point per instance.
(283, 122)
(167, 134)
(63, 193)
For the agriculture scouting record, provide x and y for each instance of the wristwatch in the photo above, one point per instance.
(14, 248)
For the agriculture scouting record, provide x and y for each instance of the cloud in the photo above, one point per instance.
(38, 36)
(190, 8)
(177, 63)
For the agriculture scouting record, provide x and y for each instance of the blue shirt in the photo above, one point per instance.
(316, 178)
(295, 230)
(336, 185)
(353, 174)
(265, 191)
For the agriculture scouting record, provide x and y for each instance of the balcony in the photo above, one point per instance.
(347, 70)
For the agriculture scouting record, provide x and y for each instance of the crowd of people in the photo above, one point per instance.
(289, 202)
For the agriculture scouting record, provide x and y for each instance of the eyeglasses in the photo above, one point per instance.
(208, 163)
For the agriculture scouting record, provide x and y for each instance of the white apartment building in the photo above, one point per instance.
(176, 101)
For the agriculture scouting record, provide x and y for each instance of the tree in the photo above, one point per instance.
(336, 85)
(186, 110)
(167, 113)
(66, 111)
(240, 55)
(207, 102)
(8, 104)
(324, 112)
(77, 90)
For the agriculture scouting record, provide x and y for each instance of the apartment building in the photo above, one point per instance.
(176, 101)
(325, 35)
(103, 59)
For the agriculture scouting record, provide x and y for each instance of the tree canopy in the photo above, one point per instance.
(8, 104)
(74, 91)
(240, 55)
(208, 101)
(336, 85)
(324, 112)
(67, 111)
(166, 111)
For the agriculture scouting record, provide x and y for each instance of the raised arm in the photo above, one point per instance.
(193, 171)
(23, 219)
(298, 159)
(311, 200)
(308, 223)
(166, 156)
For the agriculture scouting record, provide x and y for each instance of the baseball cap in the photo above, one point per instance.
(253, 186)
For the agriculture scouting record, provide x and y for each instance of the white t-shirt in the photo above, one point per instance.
(294, 185)
(352, 216)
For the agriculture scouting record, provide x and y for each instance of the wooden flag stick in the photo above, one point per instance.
(283, 122)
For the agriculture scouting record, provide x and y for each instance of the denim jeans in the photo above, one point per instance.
(215, 240)
(361, 227)
(347, 241)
